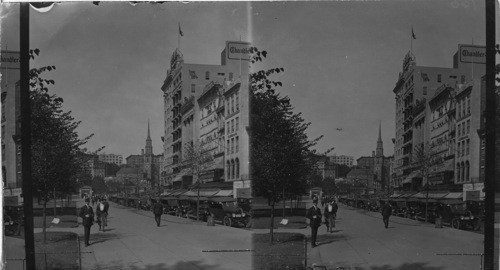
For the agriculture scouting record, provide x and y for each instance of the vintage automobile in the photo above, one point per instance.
(227, 213)
(458, 216)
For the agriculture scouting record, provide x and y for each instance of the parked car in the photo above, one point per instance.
(227, 213)
(458, 216)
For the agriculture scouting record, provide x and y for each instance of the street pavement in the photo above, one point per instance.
(133, 241)
(360, 241)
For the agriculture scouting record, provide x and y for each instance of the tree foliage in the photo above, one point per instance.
(424, 160)
(56, 147)
(282, 157)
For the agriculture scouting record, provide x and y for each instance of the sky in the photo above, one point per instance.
(341, 59)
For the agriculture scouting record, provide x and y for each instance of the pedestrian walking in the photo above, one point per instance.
(330, 213)
(158, 211)
(386, 213)
(314, 216)
(87, 215)
(102, 214)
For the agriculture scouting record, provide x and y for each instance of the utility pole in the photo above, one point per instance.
(29, 237)
(490, 124)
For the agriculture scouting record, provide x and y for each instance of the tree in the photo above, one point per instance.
(56, 147)
(343, 170)
(424, 160)
(196, 160)
(98, 185)
(281, 153)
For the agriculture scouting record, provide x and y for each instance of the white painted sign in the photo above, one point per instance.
(10, 60)
(472, 54)
(238, 50)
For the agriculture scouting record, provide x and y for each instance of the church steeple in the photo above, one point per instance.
(149, 145)
(380, 144)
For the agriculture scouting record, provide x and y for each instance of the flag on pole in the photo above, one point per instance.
(180, 31)
(413, 34)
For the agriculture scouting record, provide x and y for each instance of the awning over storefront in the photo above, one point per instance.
(203, 192)
(224, 193)
(453, 195)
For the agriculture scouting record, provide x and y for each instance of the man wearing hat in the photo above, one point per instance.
(314, 216)
(158, 210)
(87, 215)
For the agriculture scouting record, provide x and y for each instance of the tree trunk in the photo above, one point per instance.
(55, 203)
(198, 204)
(272, 222)
(426, 202)
(284, 202)
(44, 222)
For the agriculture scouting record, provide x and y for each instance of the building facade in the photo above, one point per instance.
(342, 160)
(11, 129)
(439, 109)
(111, 158)
(197, 99)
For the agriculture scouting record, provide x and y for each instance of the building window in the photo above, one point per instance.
(237, 101)
(425, 90)
(468, 105)
(232, 146)
(237, 165)
(458, 150)
(237, 123)
(468, 141)
(462, 79)
(439, 78)
(237, 146)
(468, 126)
(463, 148)
(193, 88)
(227, 145)
(458, 129)
(466, 171)
(207, 75)
(228, 170)
(232, 103)
(230, 76)
(232, 168)
(463, 129)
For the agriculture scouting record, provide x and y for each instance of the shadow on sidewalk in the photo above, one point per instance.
(161, 266)
(101, 237)
(329, 238)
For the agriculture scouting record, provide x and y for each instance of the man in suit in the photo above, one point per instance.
(158, 211)
(314, 216)
(87, 215)
(386, 213)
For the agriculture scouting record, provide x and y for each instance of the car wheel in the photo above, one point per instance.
(227, 221)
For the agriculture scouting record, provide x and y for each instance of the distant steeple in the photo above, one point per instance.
(149, 145)
(380, 144)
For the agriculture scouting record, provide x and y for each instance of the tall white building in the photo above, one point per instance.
(199, 102)
(416, 121)
(111, 158)
(342, 160)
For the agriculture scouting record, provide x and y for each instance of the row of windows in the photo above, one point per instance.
(233, 145)
(233, 103)
(462, 131)
(233, 169)
(463, 148)
(463, 171)
(463, 106)
(233, 125)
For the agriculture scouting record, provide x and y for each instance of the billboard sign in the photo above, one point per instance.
(238, 50)
(472, 54)
(10, 60)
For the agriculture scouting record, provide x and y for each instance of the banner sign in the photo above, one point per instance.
(10, 60)
(238, 50)
(472, 54)
(244, 193)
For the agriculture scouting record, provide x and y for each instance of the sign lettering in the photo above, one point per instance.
(472, 54)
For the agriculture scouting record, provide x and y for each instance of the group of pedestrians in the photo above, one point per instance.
(330, 213)
(88, 218)
(315, 217)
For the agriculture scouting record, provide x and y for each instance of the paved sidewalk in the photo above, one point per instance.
(133, 241)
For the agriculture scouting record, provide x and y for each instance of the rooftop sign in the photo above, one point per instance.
(472, 54)
(238, 50)
(10, 60)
